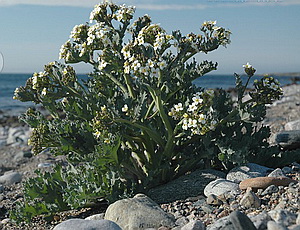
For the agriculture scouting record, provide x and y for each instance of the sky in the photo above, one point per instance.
(265, 33)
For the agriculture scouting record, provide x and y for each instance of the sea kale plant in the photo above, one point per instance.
(137, 120)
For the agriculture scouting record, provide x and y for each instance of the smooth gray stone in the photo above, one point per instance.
(194, 225)
(292, 125)
(272, 225)
(10, 178)
(288, 139)
(1, 188)
(277, 173)
(240, 221)
(269, 190)
(283, 217)
(221, 186)
(260, 221)
(247, 171)
(80, 224)
(139, 212)
(190, 185)
(222, 224)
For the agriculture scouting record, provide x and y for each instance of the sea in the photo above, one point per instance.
(9, 82)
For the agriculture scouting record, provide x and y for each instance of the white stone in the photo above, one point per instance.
(277, 173)
(292, 125)
(10, 178)
(139, 212)
(80, 224)
(96, 217)
(220, 186)
(283, 217)
(272, 225)
(194, 225)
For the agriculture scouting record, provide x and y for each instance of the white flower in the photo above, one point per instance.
(102, 64)
(178, 107)
(185, 124)
(192, 107)
(125, 108)
(202, 119)
(192, 123)
(197, 100)
(154, 72)
(247, 66)
(162, 64)
(136, 65)
(144, 70)
(44, 92)
(150, 63)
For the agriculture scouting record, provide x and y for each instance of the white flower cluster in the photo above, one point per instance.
(195, 117)
(37, 79)
(133, 65)
(124, 13)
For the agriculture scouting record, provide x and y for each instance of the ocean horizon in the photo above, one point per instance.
(10, 81)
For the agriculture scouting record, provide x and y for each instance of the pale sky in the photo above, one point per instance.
(264, 32)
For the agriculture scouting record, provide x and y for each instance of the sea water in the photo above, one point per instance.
(9, 82)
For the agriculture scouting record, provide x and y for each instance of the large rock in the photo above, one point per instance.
(292, 125)
(10, 178)
(80, 224)
(240, 221)
(272, 225)
(222, 224)
(283, 217)
(221, 186)
(288, 139)
(264, 182)
(189, 185)
(139, 212)
(260, 220)
(250, 170)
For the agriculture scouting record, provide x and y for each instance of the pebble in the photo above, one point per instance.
(10, 178)
(298, 219)
(220, 186)
(270, 190)
(264, 182)
(213, 199)
(1, 188)
(45, 165)
(194, 225)
(250, 200)
(99, 216)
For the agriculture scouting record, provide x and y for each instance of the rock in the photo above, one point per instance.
(294, 227)
(283, 217)
(207, 208)
(292, 125)
(10, 178)
(1, 188)
(277, 173)
(288, 139)
(250, 200)
(250, 170)
(185, 186)
(264, 182)
(139, 212)
(272, 225)
(45, 165)
(18, 136)
(213, 199)
(260, 221)
(182, 221)
(222, 224)
(194, 225)
(96, 217)
(80, 224)
(240, 221)
(270, 190)
(220, 186)
(286, 170)
(298, 219)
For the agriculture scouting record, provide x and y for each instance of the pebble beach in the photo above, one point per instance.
(247, 197)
